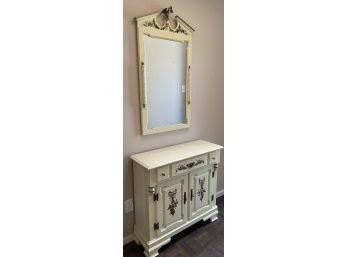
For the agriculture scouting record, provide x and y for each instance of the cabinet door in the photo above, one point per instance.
(201, 190)
(171, 207)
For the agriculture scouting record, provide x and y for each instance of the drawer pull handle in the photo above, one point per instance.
(184, 197)
(191, 194)
(163, 174)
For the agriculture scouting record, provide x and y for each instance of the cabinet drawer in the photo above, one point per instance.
(214, 157)
(189, 164)
(162, 173)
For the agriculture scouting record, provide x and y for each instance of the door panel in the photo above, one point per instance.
(201, 183)
(173, 202)
(201, 189)
(171, 207)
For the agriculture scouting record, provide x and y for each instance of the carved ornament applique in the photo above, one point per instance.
(189, 165)
(201, 190)
(173, 201)
(165, 26)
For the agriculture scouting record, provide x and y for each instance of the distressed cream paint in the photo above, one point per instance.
(190, 170)
(206, 17)
(143, 65)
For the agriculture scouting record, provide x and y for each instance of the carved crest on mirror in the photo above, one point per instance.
(164, 24)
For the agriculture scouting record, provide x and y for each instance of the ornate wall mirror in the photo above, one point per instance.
(164, 62)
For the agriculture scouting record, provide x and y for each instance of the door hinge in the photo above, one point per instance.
(155, 226)
(155, 197)
(212, 197)
(215, 168)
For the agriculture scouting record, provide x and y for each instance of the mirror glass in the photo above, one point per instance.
(165, 81)
(164, 66)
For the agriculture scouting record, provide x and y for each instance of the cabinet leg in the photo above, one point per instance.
(213, 218)
(153, 251)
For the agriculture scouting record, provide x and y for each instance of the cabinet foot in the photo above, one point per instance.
(151, 253)
(213, 218)
(153, 250)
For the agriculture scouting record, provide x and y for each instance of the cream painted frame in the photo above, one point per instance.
(147, 25)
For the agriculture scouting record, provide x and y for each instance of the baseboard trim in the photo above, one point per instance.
(128, 239)
(219, 193)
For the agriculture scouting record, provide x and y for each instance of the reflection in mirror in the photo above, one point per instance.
(165, 81)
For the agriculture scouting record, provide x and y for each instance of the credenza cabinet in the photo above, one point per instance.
(174, 187)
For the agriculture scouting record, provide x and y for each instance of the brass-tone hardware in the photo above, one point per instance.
(155, 197)
(213, 158)
(215, 168)
(191, 194)
(185, 198)
(155, 226)
(152, 190)
(163, 174)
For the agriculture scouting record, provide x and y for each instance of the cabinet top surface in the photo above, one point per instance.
(159, 157)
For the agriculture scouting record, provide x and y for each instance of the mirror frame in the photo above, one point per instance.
(148, 25)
